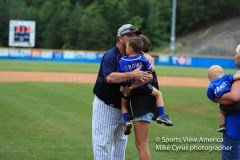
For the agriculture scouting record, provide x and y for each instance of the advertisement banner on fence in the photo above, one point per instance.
(86, 55)
(4, 53)
(47, 54)
(164, 59)
(174, 60)
(20, 53)
(58, 55)
(69, 55)
(182, 60)
(36, 53)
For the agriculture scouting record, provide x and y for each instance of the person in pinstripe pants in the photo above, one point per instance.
(109, 141)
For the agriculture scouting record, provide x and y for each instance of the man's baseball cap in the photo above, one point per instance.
(127, 29)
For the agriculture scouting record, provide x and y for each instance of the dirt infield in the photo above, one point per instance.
(56, 77)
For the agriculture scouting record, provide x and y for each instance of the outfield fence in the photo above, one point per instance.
(34, 54)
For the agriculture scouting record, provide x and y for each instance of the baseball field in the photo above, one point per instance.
(50, 118)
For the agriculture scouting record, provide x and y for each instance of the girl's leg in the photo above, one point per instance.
(141, 139)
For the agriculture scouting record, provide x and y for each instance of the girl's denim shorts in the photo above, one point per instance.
(147, 117)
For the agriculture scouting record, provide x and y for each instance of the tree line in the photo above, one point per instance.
(93, 24)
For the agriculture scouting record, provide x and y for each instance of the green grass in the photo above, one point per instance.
(48, 66)
(93, 68)
(52, 121)
(186, 71)
(45, 121)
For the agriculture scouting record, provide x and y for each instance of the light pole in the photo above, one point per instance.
(173, 27)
